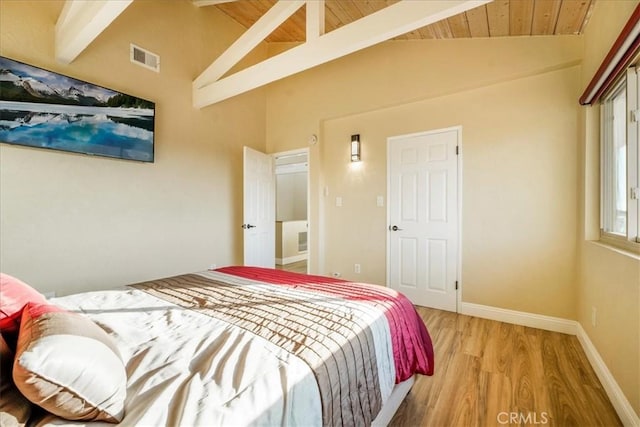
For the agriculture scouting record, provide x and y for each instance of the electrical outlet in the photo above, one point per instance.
(356, 268)
(336, 274)
(594, 316)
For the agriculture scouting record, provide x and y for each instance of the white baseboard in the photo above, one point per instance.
(619, 401)
(539, 321)
(291, 259)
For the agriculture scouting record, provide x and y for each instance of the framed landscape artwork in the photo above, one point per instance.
(39, 108)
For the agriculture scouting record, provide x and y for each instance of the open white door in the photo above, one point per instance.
(423, 217)
(259, 212)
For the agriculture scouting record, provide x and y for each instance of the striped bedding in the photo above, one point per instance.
(253, 346)
(412, 347)
(323, 321)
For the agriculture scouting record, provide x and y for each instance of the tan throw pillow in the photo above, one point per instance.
(69, 366)
(14, 408)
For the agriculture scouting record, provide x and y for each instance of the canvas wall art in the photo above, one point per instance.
(40, 108)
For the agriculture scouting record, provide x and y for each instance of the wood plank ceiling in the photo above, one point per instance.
(499, 18)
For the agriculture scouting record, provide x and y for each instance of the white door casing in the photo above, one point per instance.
(423, 236)
(259, 209)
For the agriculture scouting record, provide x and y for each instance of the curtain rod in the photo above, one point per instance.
(623, 51)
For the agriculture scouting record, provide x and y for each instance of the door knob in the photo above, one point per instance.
(248, 226)
(394, 228)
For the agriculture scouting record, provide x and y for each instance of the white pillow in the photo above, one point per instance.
(68, 365)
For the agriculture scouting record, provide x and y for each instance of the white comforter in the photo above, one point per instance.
(188, 369)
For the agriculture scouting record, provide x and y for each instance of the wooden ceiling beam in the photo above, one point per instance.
(249, 40)
(315, 19)
(81, 22)
(385, 24)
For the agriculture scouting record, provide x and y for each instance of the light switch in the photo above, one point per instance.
(380, 201)
(339, 201)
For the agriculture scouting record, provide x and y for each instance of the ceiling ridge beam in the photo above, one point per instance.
(256, 34)
(81, 22)
(390, 22)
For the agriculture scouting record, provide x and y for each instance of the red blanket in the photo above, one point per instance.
(412, 347)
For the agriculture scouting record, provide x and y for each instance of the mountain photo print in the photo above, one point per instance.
(43, 109)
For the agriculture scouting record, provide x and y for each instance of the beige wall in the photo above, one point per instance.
(287, 241)
(519, 177)
(519, 180)
(291, 196)
(607, 280)
(71, 222)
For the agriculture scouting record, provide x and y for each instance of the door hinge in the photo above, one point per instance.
(457, 150)
(635, 115)
(456, 285)
(635, 193)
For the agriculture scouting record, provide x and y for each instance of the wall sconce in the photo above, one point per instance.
(355, 148)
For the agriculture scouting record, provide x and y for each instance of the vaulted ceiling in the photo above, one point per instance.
(497, 19)
(329, 29)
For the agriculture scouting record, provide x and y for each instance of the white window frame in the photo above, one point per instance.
(631, 240)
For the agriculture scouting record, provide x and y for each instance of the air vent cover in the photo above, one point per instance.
(145, 58)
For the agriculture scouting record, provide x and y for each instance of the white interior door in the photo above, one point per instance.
(259, 212)
(423, 217)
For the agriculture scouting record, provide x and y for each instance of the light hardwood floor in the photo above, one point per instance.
(488, 373)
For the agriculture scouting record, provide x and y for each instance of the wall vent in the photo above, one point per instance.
(145, 58)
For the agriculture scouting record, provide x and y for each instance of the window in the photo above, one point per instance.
(620, 158)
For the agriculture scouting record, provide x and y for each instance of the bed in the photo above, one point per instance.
(254, 346)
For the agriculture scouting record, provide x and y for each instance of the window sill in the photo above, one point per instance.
(621, 251)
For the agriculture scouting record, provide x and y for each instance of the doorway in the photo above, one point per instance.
(292, 210)
(424, 217)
